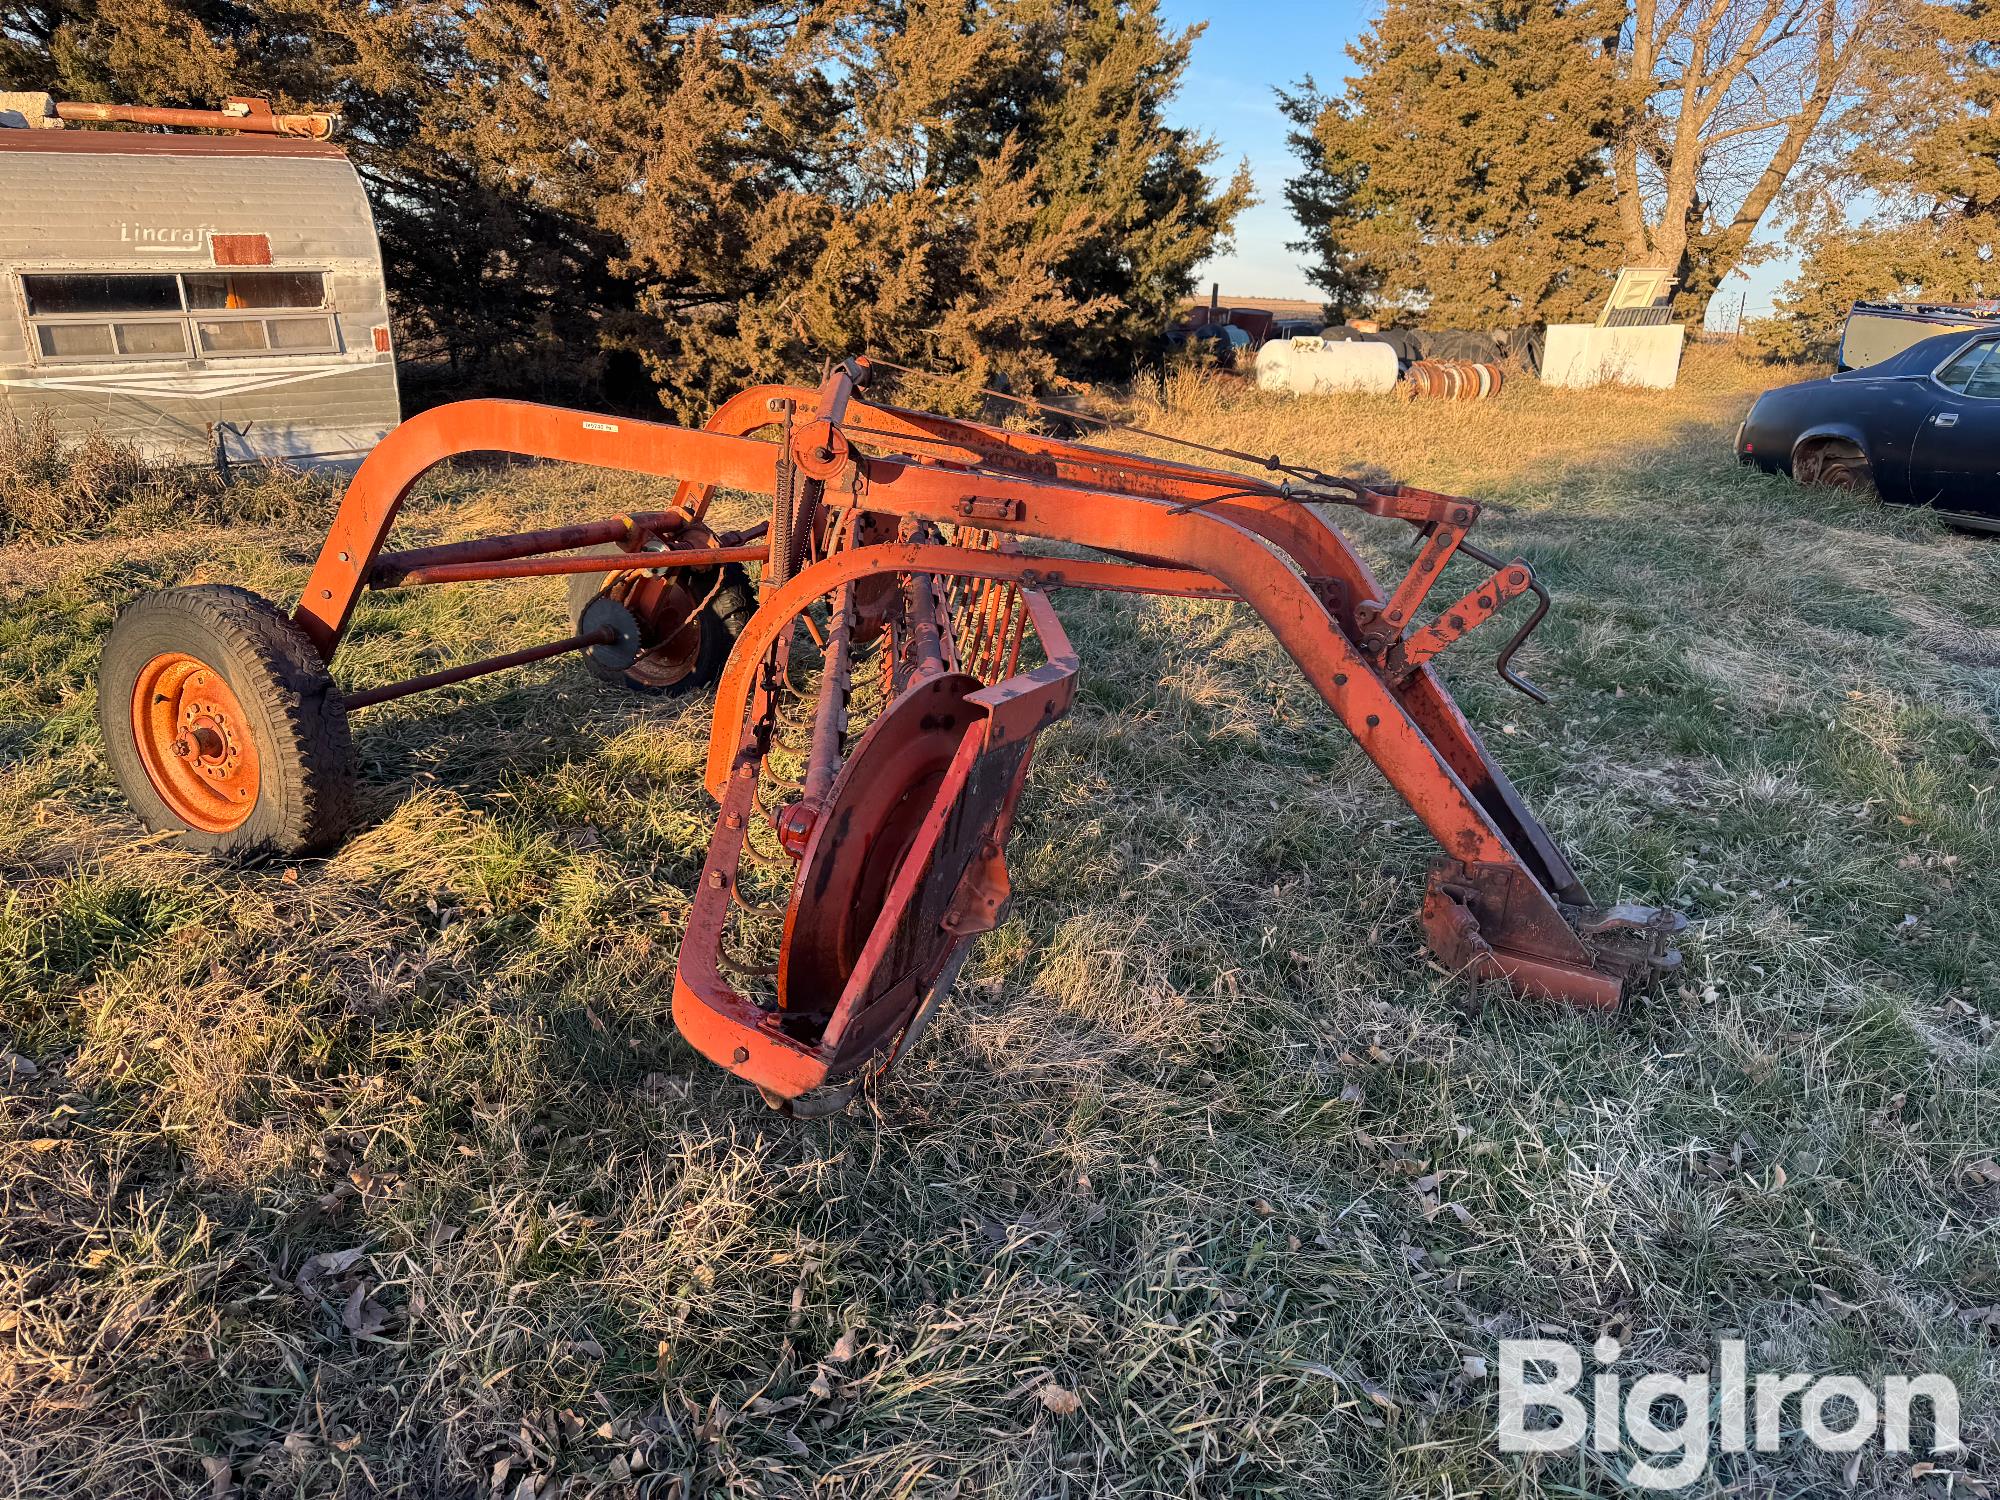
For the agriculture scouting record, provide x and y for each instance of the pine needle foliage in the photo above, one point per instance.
(611, 197)
(1462, 176)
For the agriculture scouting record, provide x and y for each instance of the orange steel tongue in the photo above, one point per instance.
(877, 716)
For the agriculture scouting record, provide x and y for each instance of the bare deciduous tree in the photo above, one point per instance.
(1723, 99)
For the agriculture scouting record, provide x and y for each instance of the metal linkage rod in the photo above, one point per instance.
(390, 566)
(369, 697)
(543, 567)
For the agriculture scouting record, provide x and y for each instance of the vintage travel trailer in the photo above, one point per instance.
(211, 296)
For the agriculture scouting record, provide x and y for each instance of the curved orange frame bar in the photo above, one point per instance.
(1247, 540)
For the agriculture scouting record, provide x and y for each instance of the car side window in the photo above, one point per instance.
(1985, 380)
(1974, 371)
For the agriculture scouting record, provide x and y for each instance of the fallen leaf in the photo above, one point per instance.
(328, 1263)
(1061, 1400)
(362, 1315)
(844, 1347)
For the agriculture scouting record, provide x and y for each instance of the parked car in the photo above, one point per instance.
(1922, 427)
(1223, 343)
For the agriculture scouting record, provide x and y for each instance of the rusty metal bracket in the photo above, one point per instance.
(1487, 920)
(1478, 606)
(1381, 626)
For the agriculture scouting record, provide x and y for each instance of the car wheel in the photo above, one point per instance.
(1834, 463)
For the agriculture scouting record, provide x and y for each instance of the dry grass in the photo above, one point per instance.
(52, 490)
(387, 1173)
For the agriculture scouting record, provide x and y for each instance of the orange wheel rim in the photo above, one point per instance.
(194, 742)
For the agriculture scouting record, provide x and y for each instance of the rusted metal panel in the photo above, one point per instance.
(240, 249)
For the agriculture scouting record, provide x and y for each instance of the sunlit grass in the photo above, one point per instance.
(387, 1172)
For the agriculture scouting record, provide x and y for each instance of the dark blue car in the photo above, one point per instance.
(1922, 427)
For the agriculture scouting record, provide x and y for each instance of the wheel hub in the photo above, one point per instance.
(194, 742)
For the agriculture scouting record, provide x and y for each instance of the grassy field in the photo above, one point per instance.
(388, 1174)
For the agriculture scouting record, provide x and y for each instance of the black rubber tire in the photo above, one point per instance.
(721, 623)
(297, 718)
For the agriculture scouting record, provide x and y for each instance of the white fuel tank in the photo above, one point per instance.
(1314, 367)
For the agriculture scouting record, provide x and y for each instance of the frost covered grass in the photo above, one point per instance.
(386, 1173)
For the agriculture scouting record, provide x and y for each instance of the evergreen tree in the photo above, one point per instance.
(1318, 198)
(569, 188)
(1462, 177)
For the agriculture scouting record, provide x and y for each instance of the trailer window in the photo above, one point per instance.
(112, 316)
(236, 290)
(241, 297)
(266, 335)
(75, 296)
(151, 340)
(75, 340)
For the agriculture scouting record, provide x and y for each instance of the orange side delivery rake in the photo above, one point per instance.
(877, 708)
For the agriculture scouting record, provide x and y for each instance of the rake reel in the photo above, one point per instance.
(876, 712)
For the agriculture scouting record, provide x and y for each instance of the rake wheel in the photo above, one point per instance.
(859, 845)
(686, 619)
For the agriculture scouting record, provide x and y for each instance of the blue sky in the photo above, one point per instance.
(1248, 48)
